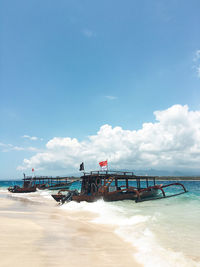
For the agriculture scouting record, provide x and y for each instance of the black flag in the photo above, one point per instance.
(81, 167)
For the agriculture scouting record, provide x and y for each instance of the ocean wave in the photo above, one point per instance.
(142, 224)
(3, 190)
(149, 252)
(135, 227)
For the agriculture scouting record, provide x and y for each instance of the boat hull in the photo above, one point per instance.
(21, 190)
(114, 196)
(58, 197)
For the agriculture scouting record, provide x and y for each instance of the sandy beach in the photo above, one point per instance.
(42, 234)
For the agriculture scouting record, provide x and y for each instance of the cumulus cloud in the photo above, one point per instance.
(172, 142)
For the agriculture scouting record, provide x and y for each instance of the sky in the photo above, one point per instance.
(89, 80)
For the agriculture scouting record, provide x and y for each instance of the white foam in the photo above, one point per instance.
(132, 223)
(45, 194)
(150, 253)
(134, 228)
(3, 190)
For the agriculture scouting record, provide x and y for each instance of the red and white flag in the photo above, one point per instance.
(33, 170)
(104, 165)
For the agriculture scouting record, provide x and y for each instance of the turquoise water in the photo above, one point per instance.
(6, 184)
(164, 232)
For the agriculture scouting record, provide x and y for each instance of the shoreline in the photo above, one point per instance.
(45, 235)
(113, 234)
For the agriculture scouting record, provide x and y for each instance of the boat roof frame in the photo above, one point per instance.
(117, 175)
(57, 178)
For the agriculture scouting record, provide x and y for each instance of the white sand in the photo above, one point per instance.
(44, 235)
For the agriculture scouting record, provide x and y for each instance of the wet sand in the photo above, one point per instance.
(41, 234)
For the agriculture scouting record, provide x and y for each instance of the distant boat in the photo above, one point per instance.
(18, 189)
(47, 182)
(30, 184)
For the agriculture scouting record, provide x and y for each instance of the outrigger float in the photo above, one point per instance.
(114, 186)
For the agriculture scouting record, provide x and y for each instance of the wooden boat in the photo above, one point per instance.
(47, 182)
(18, 189)
(30, 184)
(115, 186)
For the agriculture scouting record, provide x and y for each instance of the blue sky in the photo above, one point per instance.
(69, 67)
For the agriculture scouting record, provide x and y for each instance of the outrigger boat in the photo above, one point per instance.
(18, 189)
(47, 182)
(30, 184)
(114, 186)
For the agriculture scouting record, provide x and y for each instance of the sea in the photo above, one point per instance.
(163, 232)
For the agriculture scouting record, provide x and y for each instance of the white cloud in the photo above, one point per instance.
(32, 149)
(198, 71)
(10, 147)
(172, 142)
(17, 148)
(111, 97)
(88, 33)
(197, 63)
(197, 55)
(1, 144)
(33, 138)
